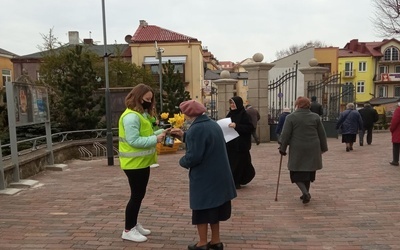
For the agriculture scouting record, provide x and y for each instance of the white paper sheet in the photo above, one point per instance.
(229, 133)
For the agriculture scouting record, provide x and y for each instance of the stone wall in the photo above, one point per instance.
(35, 162)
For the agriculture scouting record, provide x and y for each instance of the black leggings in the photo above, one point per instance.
(138, 179)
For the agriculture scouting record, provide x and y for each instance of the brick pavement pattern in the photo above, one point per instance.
(355, 205)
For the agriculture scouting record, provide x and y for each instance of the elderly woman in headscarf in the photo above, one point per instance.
(239, 148)
(305, 136)
(211, 186)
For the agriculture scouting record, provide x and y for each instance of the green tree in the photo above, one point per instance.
(72, 83)
(122, 73)
(173, 89)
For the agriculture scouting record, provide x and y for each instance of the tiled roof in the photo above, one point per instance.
(5, 52)
(356, 48)
(150, 33)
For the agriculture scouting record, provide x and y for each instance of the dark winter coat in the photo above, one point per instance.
(254, 115)
(210, 178)
(369, 116)
(305, 136)
(349, 122)
(317, 108)
(281, 121)
(395, 126)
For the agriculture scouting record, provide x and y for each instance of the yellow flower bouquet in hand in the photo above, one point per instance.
(177, 121)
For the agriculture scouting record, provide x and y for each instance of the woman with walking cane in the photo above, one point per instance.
(305, 136)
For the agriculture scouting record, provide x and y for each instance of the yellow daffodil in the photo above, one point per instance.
(164, 115)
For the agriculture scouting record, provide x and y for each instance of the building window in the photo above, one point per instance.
(360, 87)
(362, 66)
(348, 92)
(154, 69)
(244, 82)
(397, 69)
(391, 54)
(38, 75)
(6, 75)
(397, 91)
(382, 91)
(382, 70)
(348, 69)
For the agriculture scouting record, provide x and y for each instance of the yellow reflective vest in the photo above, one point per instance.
(131, 157)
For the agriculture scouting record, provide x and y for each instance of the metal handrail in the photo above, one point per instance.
(40, 141)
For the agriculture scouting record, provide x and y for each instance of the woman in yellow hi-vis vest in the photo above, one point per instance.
(137, 151)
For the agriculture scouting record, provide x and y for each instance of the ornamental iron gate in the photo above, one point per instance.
(332, 95)
(282, 93)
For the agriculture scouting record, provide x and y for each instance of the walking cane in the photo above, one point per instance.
(279, 175)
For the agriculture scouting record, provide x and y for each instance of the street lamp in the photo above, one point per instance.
(159, 51)
(110, 150)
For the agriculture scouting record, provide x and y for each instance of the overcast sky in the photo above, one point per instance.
(233, 30)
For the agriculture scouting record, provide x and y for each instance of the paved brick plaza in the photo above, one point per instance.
(355, 205)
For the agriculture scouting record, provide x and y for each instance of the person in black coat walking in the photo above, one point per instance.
(369, 116)
(255, 117)
(239, 148)
(316, 107)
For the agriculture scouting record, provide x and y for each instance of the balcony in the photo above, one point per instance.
(348, 74)
(389, 77)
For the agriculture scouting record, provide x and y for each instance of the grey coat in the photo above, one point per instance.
(210, 177)
(305, 136)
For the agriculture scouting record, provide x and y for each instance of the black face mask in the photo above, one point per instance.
(146, 105)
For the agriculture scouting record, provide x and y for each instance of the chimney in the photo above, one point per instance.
(88, 41)
(73, 37)
(353, 45)
(143, 23)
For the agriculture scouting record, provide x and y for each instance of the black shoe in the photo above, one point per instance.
(361, 144)
(218, 246)
(306, 198)
(394, 163)
(351, 148)
(195, 247)
(302, 197)
(347, 149)
(258, 142)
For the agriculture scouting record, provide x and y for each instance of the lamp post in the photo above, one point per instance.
(159, 51)
(110, 150)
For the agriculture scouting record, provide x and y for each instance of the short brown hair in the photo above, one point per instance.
(303, 102)
(134, 99)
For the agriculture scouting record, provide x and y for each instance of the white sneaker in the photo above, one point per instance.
(155, 165)
(142, 230)
(133, 235)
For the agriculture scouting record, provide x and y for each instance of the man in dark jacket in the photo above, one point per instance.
(255, 117)
(369, 117)
(316, 107)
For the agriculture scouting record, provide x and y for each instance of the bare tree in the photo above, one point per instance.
(50, 42)
(299, 47)
(387, 17)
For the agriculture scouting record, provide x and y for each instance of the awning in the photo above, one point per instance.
(383, 100)
(165, 59)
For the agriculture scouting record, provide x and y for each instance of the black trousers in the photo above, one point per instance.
(396, 152)
(138, 179)
(369, 135)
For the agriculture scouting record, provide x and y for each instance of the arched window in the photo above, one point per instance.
(391, 54)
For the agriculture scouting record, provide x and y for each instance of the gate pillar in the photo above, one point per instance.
(225, 92)
(258, 92)
(313, 74)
